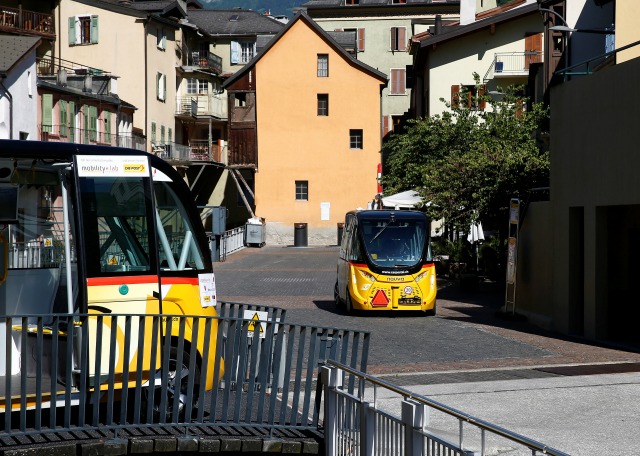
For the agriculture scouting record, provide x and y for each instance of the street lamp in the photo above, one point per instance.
(565, 29)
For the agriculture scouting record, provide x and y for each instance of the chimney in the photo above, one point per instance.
(467, 12)
(438, 24)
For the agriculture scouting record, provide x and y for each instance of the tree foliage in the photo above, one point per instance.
(468, 162)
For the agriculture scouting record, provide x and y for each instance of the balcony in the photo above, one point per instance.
(195, 151)
(17, 20)
(46, 66)
(512, 64)
(202, 105)
(66, 134)
(205, 60)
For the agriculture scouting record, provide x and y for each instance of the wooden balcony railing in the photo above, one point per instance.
(20, 20)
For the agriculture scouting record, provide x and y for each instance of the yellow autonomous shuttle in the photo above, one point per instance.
(385, 262)
(92, 232)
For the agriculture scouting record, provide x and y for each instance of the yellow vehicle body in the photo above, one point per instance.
(371, 291)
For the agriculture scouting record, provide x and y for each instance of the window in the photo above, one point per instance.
(242, 51)
(471, 93)
(323, 65)
(197, 86)
(397, 84)
(47, 112)
(359, 38)
(355, 139)
(170, 135)
(83, 30)
(398, 38)
(302, 190)
(162, 39)
(161, 86)
(323, 104)
(351, 2)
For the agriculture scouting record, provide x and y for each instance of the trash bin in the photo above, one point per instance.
(340, 229)
(255, 232)
(300, 235)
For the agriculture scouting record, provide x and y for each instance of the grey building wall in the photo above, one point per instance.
(595, 204)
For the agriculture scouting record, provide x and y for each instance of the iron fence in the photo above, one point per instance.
(357, 422)
(244, 367)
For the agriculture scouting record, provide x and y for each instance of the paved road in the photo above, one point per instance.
(579, 397)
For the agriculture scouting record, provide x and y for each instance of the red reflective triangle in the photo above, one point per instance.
(380, 299)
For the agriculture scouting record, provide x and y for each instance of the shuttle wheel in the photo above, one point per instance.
(336, 296)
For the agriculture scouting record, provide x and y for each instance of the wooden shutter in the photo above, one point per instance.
(85, 126)
(62, 107)
(47, 112)
(72, 31)
(107, 127)
(161, 134)
(482, 90)
(153, 132)
(455, 95)
(402, 39)
(533, 49)
(72, 121)
(393, 38)
(387, 125)
(94, 29)
(93, 122)
(360, 40)
(398, 83)
(170, 135)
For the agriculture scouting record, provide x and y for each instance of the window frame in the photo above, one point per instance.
(398, 84)
(323, 66)
(397, 40)
(356, 139)
(302, 190)
(83, 29)
(323, 105)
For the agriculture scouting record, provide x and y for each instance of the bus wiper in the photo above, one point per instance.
(379, 233)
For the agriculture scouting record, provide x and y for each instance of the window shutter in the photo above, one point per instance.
(235, 52)
(170, 136)
(93, 122)
(62, 106)
(393, 38)
(482, 103)
(164, 40)
(94, 29)
(72, 31)
(86, 124)
(161, 134)
(455, 95)
(158, 88)
(47, 112)
(402, 39)
(163, 84)
(360, 40)
(72, 121)
(386, 125)
(153, 132)
(107, 127)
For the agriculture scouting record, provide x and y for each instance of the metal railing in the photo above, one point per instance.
(587, 67)
(26, 21)
(197, 150)
(65, 372)
(202, 105)
(72, 134)
(355, 422)
(47, 66)
(512, 64)
(232, 241)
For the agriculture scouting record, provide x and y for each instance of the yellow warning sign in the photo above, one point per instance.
(113, 260)
(256, 317)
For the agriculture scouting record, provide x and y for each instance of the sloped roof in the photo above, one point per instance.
(234, 22)
(330, 3)
(13, 48)
(159, 8)
(460, 30)
(301, 16)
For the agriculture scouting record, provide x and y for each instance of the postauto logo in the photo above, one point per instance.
(134, 168)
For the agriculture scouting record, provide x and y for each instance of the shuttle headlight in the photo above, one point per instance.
(422, 276)
(367, 275)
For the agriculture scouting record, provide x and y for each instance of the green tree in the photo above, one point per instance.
(469, 162)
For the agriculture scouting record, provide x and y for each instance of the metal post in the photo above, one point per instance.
(367, 429)
(412, 420)
(332, 379)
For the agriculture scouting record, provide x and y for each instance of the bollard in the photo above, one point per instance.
(300, 235)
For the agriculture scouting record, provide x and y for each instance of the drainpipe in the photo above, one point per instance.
(10, 98)
(146, 87)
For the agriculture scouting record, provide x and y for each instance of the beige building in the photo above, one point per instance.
(313, 113)
(138, 48)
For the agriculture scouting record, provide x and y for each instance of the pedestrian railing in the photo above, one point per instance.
(232, 241)
(358, 422)
(67, 373)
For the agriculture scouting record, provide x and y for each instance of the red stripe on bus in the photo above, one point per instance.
(93, 281)
(97, 281)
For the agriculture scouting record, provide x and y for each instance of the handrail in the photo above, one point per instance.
(531, 444)
(604, 56)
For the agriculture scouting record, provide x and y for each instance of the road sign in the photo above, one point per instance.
(254, 318)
